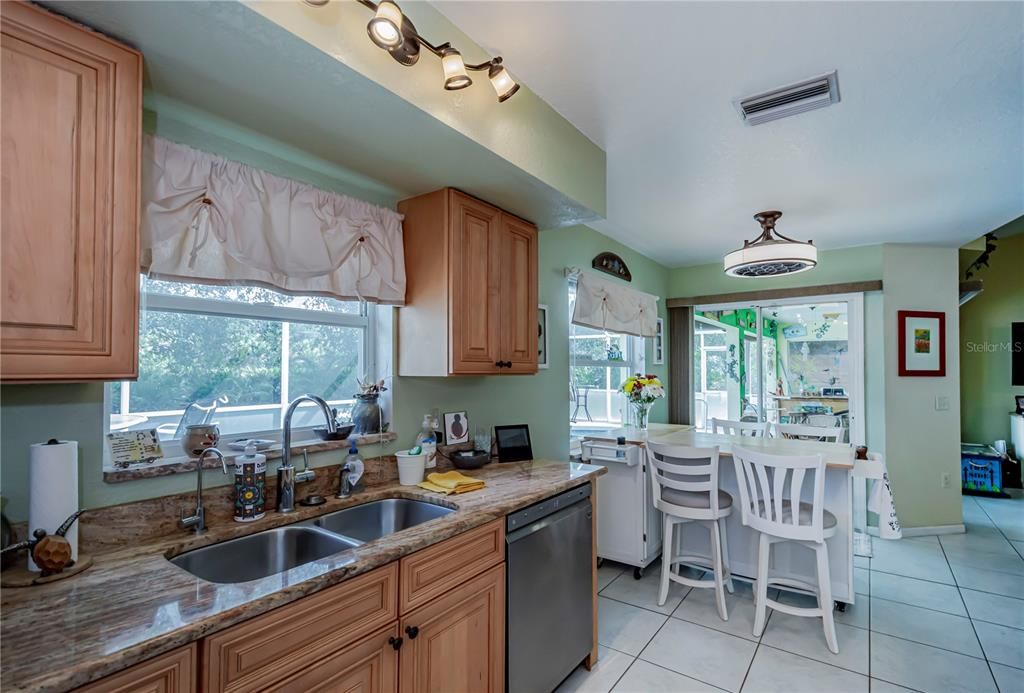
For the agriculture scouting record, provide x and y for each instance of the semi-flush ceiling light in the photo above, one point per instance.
(502, 82)
(455, 76)
(391, 30)
(771, 254)
(385, 29)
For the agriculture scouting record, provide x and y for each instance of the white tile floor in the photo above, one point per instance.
(933, 614)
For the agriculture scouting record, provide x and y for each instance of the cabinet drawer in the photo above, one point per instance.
(173, 672)
(253, 655)
(433, 571)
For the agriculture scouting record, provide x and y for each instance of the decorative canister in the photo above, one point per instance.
(198, 437)
(250, 485)
(367, 415)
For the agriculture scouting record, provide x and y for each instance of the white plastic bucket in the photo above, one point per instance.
(410, 468)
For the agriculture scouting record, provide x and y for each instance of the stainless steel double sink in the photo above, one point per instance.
(278, 549)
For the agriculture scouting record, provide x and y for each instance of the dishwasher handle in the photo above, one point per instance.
(550, 521)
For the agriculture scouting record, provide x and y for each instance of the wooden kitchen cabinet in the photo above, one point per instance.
(471, 293)
(173, 672)
(369, 666)
(71, 126)
(456, 642)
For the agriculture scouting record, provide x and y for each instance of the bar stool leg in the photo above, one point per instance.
(666, 558)
(761, 588)
(725, 555)
(825, 597)
(716, 561)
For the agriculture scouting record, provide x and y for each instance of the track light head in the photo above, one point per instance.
(385, 29)
(455, 76)
(501, 80)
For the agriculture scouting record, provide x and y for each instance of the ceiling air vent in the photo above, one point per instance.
(789, 100)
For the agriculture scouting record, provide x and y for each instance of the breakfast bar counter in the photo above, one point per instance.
(788, 560)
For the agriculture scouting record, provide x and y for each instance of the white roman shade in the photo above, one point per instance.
(605, 305)
(209, 220)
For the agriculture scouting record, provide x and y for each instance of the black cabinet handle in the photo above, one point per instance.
(395, 642)
(412, 632)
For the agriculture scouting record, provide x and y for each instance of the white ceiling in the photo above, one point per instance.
(926, 146)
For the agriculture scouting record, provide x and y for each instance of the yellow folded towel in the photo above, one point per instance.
(451, 482)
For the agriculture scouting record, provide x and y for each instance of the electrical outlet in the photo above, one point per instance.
(942, 403)
(944, 480)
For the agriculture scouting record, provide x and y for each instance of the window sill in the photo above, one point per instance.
(182, 464)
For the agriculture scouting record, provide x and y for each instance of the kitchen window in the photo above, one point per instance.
(246, 350)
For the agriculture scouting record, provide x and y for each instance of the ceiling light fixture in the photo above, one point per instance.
(771, 254)
(392, 31)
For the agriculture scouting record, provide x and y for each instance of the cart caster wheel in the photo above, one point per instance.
(638, 573)
(841, 607)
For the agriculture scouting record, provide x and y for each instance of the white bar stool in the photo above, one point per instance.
(767, 507)
(822, 434)
(686, 489)
(754, 429)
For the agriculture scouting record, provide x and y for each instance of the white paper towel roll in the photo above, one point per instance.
(53, 489)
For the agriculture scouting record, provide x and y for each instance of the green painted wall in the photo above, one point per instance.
(985, 391)
(35, 413)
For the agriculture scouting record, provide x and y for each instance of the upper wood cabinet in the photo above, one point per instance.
(69, 208)
(471, 294)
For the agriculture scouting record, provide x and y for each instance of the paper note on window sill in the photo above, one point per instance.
(134, 447)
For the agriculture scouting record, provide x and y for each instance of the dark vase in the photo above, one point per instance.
(367, 415)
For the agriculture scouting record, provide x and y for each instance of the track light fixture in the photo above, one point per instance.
(392, 31)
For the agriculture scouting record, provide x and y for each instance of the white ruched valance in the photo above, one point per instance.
(605, 305)
(210, 220)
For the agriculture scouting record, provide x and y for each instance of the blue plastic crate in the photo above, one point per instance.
(981, 470)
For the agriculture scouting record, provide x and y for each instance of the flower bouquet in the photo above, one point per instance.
(642, 391)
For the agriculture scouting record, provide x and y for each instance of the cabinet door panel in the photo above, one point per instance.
(369, 666)
(173, 672)
(71, 122)
(518, 294)
(473, 298)
(460, 645)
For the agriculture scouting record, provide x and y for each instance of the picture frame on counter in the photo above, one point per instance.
(542, 336)
(456, 427)
(658, 357)
(922, 343)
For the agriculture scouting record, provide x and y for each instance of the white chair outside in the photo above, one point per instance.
(823, 434)
(770, 487)
(686, 489)
(755, 429)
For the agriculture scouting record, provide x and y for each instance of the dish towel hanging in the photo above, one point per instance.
(881, 502)
(210, 220)
(604, 305)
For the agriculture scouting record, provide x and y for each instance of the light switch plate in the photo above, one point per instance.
(942, 403)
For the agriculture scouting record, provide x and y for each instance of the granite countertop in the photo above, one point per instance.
(132, 604)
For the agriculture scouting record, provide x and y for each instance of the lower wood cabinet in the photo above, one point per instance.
(456, 643)
(369, 666)
(171, 672)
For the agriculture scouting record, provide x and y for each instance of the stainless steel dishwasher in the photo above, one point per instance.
(549, 616)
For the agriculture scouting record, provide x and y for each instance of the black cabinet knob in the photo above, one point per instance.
(412, 632)
(395, 642)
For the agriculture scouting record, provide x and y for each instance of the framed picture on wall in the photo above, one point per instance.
(456, 427)
(922, 343)
(659, 343)
(542, 336)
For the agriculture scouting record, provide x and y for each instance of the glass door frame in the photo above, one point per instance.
(855, 344)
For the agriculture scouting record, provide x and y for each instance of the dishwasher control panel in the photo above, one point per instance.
(522, 518)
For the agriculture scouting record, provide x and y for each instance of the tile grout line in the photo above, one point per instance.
(973, 629)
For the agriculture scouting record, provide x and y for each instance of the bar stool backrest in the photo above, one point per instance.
(682, 468)
(767, 480)
(756, 429)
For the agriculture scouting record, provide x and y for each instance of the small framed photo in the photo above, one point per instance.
(922, 344)
(542, 336)
(659, 343)
(456, 428)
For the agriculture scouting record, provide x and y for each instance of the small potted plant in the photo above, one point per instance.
(642, 391)
(366, 414)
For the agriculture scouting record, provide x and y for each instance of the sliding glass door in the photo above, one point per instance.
(785, 361)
